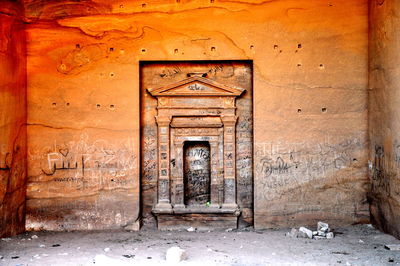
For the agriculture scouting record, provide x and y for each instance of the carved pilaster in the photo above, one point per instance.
(164, 193)
(214, 154)
(229, 122)
(178, 176)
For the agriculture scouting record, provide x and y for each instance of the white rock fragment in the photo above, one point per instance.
(330, 235)
(293, 233)
(322, 227)
(34, 236)
(360, 241)
(229, 230)
(6, 239)
(305, 232)
(175, 255)
(191, 229)
(42, 246)
(107, 249)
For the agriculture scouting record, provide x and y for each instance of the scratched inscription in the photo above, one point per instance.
(197, 172)
(85, 164)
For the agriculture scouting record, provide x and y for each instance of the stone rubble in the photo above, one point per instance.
(305, 232)
(323, 232)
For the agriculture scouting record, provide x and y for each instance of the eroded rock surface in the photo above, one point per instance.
(12, 119)
(384, 115)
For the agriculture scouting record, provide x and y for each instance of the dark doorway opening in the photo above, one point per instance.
(197, 172)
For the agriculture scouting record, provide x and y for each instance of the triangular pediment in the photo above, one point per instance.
(196, 86)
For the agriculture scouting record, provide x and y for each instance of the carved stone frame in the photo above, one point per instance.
(196, 109)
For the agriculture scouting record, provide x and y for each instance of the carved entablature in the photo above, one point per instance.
(196, 111)
(196, 93)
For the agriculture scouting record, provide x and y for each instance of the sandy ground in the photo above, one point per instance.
(356, 245)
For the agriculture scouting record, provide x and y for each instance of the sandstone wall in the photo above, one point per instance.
(310, 103)
(384, 95)
(12, 119)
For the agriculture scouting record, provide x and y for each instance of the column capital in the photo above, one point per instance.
(229, 120)
(163, 121)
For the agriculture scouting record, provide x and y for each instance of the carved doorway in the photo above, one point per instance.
(196, 144)
(197, 173)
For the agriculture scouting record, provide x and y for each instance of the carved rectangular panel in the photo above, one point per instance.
(231, 74)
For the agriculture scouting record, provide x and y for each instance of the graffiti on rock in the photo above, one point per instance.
(281, 167)
(97, 164)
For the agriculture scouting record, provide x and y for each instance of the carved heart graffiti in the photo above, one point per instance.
(64, 152)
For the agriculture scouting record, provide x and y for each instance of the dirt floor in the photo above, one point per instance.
(356, 245)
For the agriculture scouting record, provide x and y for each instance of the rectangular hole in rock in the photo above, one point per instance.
(197, 172)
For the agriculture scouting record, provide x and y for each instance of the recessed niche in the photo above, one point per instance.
(324, 109)
(197, 172)
(192, 155)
